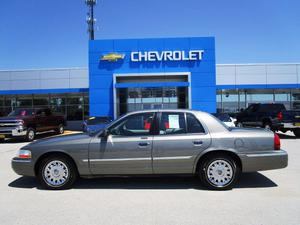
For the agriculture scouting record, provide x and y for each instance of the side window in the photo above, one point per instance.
(193, 124)
(172, 123)
(40, 112)
(134, 125)
(47, 112)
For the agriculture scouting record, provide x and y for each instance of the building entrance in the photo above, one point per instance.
(143, 92)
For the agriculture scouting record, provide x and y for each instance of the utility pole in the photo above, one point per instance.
(90, 17)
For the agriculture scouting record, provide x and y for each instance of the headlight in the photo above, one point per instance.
(20, 122)
(24, 154)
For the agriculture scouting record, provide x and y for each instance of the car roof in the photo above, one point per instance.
(163, 110)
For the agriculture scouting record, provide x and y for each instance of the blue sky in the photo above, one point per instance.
(52, 33)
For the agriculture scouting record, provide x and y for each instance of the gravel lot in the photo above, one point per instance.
(271, 197)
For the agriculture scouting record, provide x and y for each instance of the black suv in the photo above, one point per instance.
(272, 116)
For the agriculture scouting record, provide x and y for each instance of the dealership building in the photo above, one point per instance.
(134, 74)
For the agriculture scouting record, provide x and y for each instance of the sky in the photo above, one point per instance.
(53, 33)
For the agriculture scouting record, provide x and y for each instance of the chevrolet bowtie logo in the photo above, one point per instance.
(113, 57)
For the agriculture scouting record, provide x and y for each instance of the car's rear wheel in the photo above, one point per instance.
(219, 172)
(60, 129)
(239, 124)
(57, 172)
(267, 125)
(30, 134)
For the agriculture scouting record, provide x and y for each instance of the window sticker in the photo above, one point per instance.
(173, 121)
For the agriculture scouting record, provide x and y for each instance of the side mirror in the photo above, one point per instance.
(104, 133)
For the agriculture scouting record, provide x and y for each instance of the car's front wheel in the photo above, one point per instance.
(219, 172)
(57, 172)
(30, 134)
(60, 129)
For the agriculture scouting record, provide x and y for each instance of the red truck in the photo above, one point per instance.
(27, 122)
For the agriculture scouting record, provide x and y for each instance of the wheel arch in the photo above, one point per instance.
(54, 153)
(208, 154)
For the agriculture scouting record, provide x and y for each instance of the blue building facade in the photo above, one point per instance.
(133, 74)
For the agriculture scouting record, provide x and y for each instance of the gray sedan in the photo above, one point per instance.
(154, 142)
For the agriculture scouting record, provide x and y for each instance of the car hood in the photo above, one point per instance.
(60, 141)
(10, 118)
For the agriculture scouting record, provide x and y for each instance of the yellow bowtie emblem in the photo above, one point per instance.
(113, 57)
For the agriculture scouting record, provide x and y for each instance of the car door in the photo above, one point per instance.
(180, 140)
(250, 116)
(126, 149)
(41, 120)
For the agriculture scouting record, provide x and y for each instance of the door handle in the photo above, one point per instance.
(144, 144)
(198, 142)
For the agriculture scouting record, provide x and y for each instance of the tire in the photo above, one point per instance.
(239, 124)
(57, 172)
(267, 126)
(30, 135)
(297, 133)
(60, 129)
(219, 172)
(2, 140)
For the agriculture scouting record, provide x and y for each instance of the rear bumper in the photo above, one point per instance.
(290, 126)
(23, 167)
(276, 159)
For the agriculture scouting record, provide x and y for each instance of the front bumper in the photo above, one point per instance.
(24, 167)
(13, 132)
(271, 160)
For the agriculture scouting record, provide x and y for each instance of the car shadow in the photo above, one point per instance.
(247, 180)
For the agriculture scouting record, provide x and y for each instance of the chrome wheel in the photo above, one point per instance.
(61, 129)
(220, 173)
(31, 134)
(267, 126)
(56, 173)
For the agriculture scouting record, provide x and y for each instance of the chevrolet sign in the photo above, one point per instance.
(192, 55)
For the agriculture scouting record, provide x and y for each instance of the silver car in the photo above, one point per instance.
(154, 142)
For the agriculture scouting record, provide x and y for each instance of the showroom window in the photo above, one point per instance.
(232, 101)
(75, 106)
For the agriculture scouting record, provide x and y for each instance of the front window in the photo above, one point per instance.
(134, 125)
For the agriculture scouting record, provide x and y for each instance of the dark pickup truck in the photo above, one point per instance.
(270, 116)
(26, 123)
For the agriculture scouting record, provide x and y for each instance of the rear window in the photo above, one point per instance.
(271, 107)
(223, 117)
(193, 125)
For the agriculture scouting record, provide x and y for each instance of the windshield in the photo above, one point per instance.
(21, 112)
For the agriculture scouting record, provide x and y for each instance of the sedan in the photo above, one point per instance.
(154, 142)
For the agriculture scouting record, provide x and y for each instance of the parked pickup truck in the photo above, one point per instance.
(270, 116)
(26, 123)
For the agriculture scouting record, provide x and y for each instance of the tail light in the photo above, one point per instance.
(276, 142)
(279, 116)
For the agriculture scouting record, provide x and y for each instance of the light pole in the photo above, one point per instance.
(90, 17)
